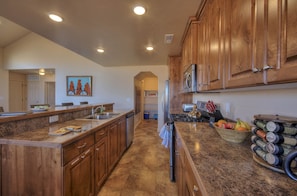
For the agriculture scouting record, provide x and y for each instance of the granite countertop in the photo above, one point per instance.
(51, 111)
(42, 138)
(225, 168)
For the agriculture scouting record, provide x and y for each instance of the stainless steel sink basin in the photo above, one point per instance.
(105, 115)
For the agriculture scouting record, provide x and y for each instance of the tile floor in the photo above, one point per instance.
(143, 169)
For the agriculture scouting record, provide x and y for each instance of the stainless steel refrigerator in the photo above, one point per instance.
(170, 126)
(166, 101)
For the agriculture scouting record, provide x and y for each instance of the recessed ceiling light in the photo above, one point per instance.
(100, 50)
(149, 48)
(139, 10)
(55, 17)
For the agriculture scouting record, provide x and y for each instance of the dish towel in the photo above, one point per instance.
(165, 135)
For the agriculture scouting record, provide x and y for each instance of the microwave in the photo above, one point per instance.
(190, 79)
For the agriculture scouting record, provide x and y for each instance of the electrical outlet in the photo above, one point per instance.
(228, 108)
(53, 119)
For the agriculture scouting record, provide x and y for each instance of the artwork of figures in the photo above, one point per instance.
(79, 85)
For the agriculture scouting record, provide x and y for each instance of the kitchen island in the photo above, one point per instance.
(40, 162)
(223, 168)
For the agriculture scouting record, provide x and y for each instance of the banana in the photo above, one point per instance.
(245, 124)
(237, 125)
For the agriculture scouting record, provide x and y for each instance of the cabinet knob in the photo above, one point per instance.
(195, 188)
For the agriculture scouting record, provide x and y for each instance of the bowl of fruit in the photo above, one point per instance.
(235, 132)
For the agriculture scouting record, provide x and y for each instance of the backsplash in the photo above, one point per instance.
(19, 126)
(245, 104)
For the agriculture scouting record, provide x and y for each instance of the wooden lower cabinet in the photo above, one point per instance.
(78, 175)
(179, 166)
(112, 146)
(122, 135)
(100, 158)
(187, 184)
(78, 168)
(191, 185)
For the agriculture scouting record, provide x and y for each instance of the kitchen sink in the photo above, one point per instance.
(102, 116)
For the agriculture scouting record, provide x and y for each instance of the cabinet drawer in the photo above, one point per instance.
(100, 134)
(74, 149)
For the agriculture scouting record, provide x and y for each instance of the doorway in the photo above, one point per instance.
(146, 96)
(50, 93)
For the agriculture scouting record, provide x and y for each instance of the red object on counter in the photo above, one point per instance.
(210, 106)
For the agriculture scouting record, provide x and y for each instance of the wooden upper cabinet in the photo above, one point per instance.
(214, 45)
(202, 56)
(189, 50)
(238, 26)
(283, 23)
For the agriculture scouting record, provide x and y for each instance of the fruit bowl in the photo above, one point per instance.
(232, 135)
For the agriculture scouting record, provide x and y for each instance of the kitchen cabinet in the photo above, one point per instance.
(122, 135)
(191, 185)
(179, 165)
(78, 165)
(238, 27)
(189, 49)
(112, 145)
(100, 158)
(187, 184)
(78, 171)
(78, 174)
(213, 44)
(282, 48)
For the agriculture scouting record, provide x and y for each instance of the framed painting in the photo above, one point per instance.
(79, 85)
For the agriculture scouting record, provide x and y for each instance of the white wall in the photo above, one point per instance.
(115, 84)
(244, 104)
(4, 77)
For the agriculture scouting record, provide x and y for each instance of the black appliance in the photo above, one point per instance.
(184, 117)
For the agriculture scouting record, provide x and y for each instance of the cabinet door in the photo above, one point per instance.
(214, 46)
(202, 56)
(238, 25)
(112, 145)
(191, 185)
(179, 166)
(189, 51)
(283, 17)
(79, 175)
(100, 162)
(122, 135)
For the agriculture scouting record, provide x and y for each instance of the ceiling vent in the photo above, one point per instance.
(168, 38)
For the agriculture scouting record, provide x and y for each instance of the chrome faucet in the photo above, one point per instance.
(94, 109)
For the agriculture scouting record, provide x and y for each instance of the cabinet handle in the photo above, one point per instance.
(84, 155)
(266, 67)
(195, 188)
(75, 161)
(256, 70)
(82, 146)
(97, 149)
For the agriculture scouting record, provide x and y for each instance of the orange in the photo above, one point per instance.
(221, 122)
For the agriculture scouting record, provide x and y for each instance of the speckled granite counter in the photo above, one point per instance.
(225, 168)
(41, 138)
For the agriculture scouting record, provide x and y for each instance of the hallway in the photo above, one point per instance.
(144, 168)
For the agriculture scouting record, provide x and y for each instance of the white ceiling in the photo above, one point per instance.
(110, 24)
